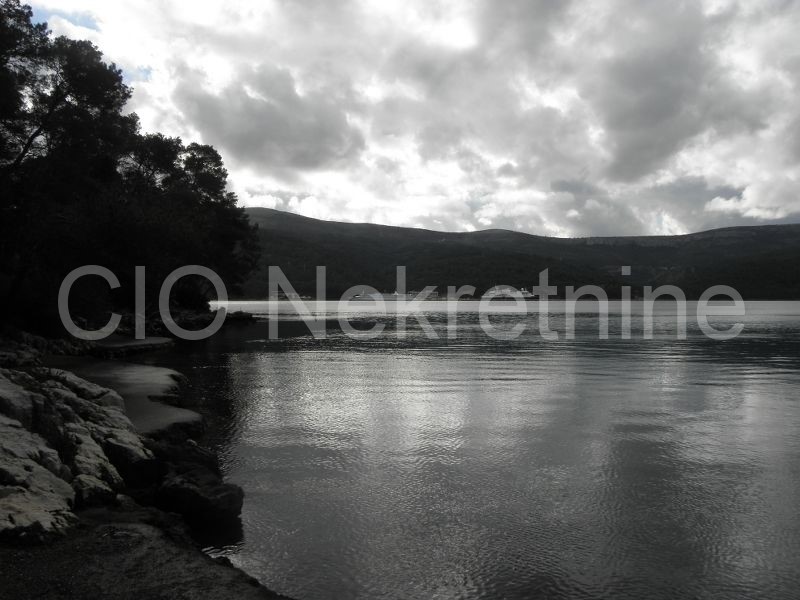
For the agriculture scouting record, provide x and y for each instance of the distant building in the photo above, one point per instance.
(281, 295)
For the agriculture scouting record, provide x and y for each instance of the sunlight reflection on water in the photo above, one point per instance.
(472, 468)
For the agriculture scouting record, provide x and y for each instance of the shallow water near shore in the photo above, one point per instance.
(411, 467)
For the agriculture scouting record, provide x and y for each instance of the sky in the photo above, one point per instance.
(553, 117)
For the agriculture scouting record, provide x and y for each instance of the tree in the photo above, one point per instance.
(22, 46)
(82, 185)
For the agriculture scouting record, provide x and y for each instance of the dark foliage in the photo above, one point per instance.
(81, 185)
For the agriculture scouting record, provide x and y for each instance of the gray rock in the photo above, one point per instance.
(111, 399)
(80, 387)
(14, 354)
(33, 516)
(35, 503)
(96, 433)
(90, 491)
(15, 401)
(88, 457)
(67, 443)
(132, 460)
(200, 495)
(123, 556)
(18, 443)
(64, 442)
(183, 454)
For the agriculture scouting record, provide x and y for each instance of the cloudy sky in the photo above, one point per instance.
(546, 116)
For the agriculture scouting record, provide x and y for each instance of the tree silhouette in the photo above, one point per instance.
(82, 185)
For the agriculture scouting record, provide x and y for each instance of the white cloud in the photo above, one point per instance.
(558, 118)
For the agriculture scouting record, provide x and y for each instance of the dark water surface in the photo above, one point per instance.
(477, 468)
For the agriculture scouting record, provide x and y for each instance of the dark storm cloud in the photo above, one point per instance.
(688, 193)
(604, 217)
(592, 212)
(261, 120)
(662, 85)
(792, 136)
(685, 199)
(437, 140)
(516, 30)
(579, 189)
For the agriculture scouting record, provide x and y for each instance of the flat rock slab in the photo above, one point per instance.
(121, 561)
(138, 385)
(118, 345)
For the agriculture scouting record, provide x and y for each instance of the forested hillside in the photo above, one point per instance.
(760, 262)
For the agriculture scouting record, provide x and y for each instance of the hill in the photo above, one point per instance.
(758, 261)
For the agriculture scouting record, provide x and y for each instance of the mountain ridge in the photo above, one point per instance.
(259, 211)
(758, 259)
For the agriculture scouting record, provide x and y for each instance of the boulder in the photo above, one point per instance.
(80, 387)
(18, 356)
(35, 503)
(90, 491)
(183, 454)
(86, 423)
(17, 443)
(88, 457)
(200, 496)
(135, 463)
(15, 401)
(111, 399)
(31, 516)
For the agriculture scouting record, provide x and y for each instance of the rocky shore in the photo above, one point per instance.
(92, 505)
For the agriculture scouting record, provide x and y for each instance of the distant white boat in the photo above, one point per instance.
(506, 292)
(395, 296)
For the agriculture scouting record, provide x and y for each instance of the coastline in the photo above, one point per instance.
(102, 484)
